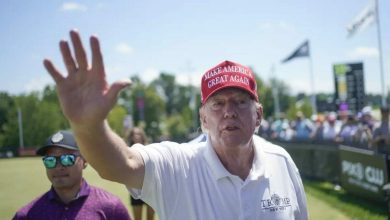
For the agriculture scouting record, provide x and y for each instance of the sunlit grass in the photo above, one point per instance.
(22, 179)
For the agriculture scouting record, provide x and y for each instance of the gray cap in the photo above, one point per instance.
(64, 139)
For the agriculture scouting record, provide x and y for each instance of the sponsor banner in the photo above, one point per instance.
(363, 172)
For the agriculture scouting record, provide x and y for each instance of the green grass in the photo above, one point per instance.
(22, 179)
(354, 207)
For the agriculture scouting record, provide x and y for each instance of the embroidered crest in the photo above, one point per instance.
(58, 137)
(275, 203)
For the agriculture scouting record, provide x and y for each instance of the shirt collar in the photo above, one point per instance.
(84, 192)
(214, 163)
(258, 166)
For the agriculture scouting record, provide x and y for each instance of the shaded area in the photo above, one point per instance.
(353, 206)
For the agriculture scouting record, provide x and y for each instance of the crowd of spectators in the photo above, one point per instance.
(361, 129)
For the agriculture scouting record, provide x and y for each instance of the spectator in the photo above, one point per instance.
(348, 131)
(364, 132)
(302, 127)
(278, 126)
(319, 127)
(70, 196)
(381, 134)
(331, 128)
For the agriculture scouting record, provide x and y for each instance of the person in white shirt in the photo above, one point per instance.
(232, 175)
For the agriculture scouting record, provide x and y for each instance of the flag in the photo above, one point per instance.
(302, 51)
(364, 19)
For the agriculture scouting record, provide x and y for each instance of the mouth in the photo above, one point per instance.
(230, 128)
(60, 176)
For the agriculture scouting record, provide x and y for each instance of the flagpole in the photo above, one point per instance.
(313, 93)
(20, 125)
(380, 53)
(275, 92)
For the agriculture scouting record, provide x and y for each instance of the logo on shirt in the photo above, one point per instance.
(275, 203)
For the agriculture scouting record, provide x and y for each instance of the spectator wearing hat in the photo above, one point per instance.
(232, 175)
(348, 131)
(331, 127)
(70, 196)
(363, 134)
(319, 126)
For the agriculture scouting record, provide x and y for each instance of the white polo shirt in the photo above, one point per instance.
(189, 182)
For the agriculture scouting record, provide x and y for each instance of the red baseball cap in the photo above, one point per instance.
(226, 75)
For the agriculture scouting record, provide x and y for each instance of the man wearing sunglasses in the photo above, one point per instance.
(70, 196)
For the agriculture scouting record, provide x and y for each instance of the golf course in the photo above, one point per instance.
(23, 179)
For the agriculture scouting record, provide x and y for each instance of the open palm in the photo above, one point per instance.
(85, 95)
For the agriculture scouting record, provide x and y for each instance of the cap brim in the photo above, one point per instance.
(226, 86)
(42, 151)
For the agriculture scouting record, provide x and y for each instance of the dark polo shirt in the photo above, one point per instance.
(91, 203)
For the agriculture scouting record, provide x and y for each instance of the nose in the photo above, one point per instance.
(230, 110)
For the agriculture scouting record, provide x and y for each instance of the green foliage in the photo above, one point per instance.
(168, 109)
(177, 126)
(40, 118)
(116, 118)
(302, 105)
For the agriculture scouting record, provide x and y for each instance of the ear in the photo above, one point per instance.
(259, 115)
(85, 163)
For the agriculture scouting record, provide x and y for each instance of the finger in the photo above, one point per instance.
(79, 51)
(67, 57)
(97, 58)
(116, 88)
(55, 74)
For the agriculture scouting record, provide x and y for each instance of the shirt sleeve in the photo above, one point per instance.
(165, 163)
(121, 212)
(19, 215)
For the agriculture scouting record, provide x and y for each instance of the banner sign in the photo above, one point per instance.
(363, 172)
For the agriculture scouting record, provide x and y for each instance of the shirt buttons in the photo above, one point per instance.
(66, 207)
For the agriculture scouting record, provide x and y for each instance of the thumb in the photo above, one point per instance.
(116, 87)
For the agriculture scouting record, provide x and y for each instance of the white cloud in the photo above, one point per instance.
(124, 48)
(73, 6)
(149, 74)
(364, 52)
(190, 78)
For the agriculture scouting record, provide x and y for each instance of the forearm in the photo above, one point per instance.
(109, 155)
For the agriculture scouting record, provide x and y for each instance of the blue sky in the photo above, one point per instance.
(188, 37)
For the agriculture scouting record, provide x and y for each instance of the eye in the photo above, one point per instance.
(217, 104)
(243, 103)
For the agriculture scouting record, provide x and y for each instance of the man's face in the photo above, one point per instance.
(63, 177)
(230, 116)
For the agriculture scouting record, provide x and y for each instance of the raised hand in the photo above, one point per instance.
(85, 95)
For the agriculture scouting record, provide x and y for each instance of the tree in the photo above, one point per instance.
(116, 117)
(7, 104)
(165, 85)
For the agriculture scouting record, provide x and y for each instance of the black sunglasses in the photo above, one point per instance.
(66, 160)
